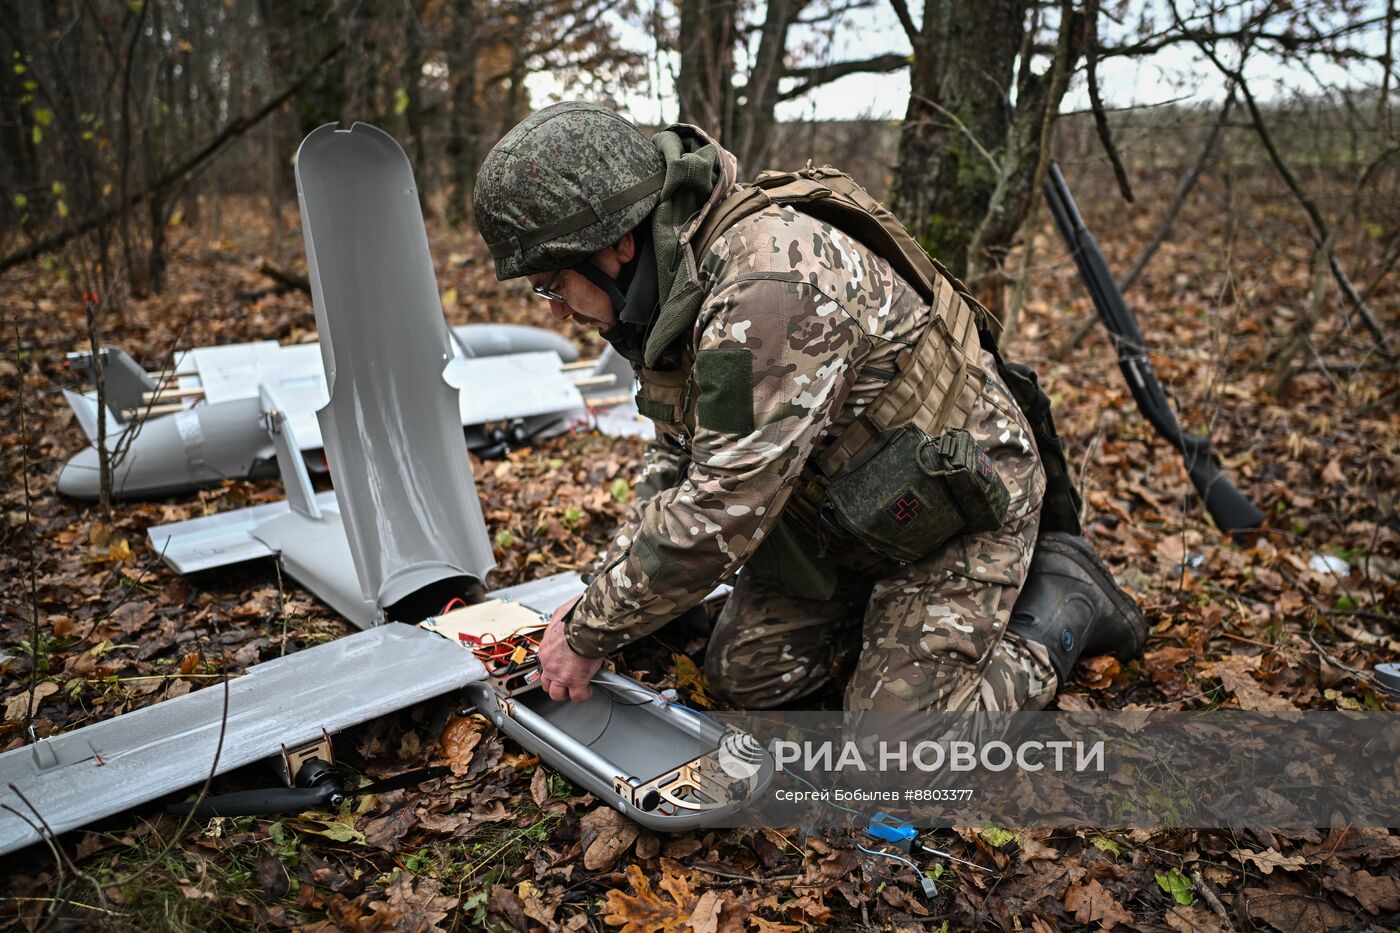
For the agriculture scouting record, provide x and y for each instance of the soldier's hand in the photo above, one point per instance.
(564, 674)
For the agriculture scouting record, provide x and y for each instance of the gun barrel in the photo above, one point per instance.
(1231, 509)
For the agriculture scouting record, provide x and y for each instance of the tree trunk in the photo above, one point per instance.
(706, 93)
(155, 140)
(743, 118)
(517, 98)
(464, 124)
(956, 121)
(298, 33)
(754, 124)
(18, 160)
(413, 91)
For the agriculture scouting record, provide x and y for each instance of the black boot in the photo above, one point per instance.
(1072, 606)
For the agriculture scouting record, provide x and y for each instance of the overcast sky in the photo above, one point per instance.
(1174, 73)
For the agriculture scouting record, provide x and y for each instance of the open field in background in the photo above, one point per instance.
(510, 845)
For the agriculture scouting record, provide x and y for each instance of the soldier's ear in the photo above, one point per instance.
(626, 247)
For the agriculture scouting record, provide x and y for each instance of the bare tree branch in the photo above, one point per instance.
(832, 13)
(901, 10)
(825, 74)
(1288, 41)
(1322, 234)
(232, 131)
(1091, 62)
(1183, 190)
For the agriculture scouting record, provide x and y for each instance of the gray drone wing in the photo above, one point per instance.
(391, 429)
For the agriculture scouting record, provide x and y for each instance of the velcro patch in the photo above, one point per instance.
(905, 507)
(725, 380)
(656, 410)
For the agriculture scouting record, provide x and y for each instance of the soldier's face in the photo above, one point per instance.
(579, 298)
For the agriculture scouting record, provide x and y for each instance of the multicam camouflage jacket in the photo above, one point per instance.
(799, 330)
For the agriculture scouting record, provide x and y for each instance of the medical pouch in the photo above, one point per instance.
(916, 493)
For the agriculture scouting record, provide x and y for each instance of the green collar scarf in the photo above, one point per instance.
(692, 171)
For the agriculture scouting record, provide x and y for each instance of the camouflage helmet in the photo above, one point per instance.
(564, 183)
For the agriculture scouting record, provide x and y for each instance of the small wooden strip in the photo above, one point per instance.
(171, 393)
(595, 382)
(608, 401)
(165, 375)
(135, 414)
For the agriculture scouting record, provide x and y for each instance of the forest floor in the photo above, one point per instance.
(506, 844)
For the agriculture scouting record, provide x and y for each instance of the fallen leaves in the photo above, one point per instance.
(413, 905)
(690, 679)
(1235, 675)
(1092, 903)
(18, 705)
(459, 740)
(1374, 893)
(1192, 920)
(334, 830)
(1270, 859)
(1291, 908)
(384, 832)
(1097, 673)
(668, 909)
(605, 836)
(1234, 626)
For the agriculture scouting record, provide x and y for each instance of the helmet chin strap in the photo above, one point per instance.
(601, 279)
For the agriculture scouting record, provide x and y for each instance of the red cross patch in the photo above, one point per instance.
(905, 507)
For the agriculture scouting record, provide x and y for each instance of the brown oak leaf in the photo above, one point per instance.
(1270, 859)
(761, 925)
(1291, 908)
(384, 832)
(648, 911)
(460, 738)
(606, 835)
(1092, 902)
(413, 905)
(1192, 920)
(704, 916)
(1374, 892)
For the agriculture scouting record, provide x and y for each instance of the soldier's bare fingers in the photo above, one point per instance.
(552, 687)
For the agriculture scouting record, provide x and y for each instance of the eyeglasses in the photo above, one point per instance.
(547, 289)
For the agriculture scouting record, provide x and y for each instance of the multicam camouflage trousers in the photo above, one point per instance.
(929, 636)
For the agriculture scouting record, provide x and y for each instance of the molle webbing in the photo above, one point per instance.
(937, 386)
(938, 381)
(834, 197)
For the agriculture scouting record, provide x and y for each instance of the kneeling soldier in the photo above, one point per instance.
(831, 417)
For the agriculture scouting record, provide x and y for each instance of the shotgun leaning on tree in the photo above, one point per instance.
(1232, 510)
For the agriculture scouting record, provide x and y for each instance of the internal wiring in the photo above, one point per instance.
(613, 697)
(501, 656)
(898, 858)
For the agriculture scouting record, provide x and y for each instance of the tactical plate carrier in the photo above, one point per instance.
(906, 477)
